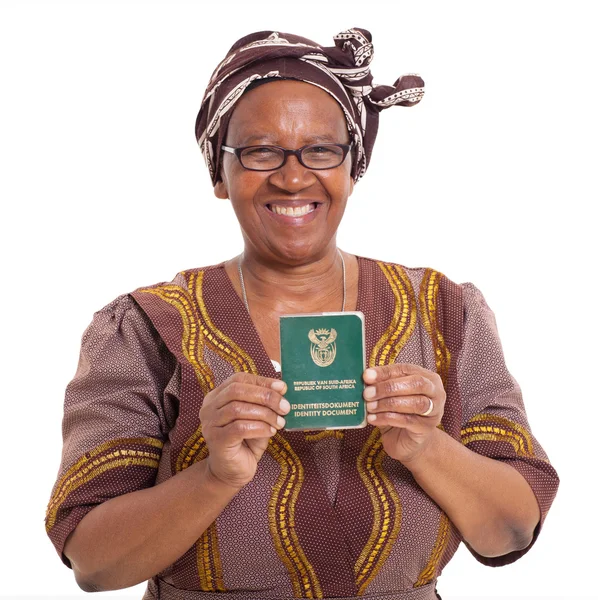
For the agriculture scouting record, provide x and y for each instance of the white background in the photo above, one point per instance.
(490, 179)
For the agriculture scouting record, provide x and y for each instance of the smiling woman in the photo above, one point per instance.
(177, 467)
(288, 214)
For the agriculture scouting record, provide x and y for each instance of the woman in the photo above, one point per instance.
(176, 464)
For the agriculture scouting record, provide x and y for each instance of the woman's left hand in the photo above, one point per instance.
(398, 397)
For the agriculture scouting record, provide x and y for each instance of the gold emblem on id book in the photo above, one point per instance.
(323, 346)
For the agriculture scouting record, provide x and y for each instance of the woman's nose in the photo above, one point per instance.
(292, 176)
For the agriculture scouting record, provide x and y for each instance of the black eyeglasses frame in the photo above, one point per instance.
(238, 151)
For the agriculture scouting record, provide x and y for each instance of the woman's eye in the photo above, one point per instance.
(263, 151)
(320, 150)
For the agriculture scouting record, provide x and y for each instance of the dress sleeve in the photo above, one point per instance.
(114, 423)
(494, 419)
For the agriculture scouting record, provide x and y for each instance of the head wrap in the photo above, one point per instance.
(342, 70)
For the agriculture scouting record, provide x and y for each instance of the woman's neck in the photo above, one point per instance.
(311, 287)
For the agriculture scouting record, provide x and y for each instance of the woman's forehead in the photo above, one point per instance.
(288, 107)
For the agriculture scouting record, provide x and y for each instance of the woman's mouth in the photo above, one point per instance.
(296, 214)
(292, 211)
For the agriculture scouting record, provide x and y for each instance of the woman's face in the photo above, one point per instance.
(290, 114)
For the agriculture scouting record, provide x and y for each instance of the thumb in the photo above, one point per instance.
(258, 446)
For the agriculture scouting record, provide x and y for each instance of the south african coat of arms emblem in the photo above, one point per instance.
(323, 346)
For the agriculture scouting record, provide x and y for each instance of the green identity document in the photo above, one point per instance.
(322, 361)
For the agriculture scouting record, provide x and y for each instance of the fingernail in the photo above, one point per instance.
(272, 429)
(369, 392)
(372, 405)
(372, 418)
(284, 406)
(279, 386)
(371, 374)
(280, 421)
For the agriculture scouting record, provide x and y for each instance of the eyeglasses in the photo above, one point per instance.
(270, 158)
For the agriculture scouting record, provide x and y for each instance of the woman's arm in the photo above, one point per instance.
(128, 539)
(495, 483)
(133, 536)
(489, 502)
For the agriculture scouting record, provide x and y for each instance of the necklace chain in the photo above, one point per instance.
(245, 291)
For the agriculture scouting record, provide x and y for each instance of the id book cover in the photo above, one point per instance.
(322, 362)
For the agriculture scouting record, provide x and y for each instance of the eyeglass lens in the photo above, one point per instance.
(270, 157)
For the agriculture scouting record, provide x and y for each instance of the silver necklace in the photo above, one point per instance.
(245, 291)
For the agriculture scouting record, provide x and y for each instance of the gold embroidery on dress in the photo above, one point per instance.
(192, 343)
(322, 435)
(428, 298)
(282, 523)
(228, 350)
(429, 571)
(498, 429)
(93, 463)
(194, 450)
(209, 565)
(281, 516)
(403, 320)
(223, 345)
(383, 495)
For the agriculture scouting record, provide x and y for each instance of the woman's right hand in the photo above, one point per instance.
(238, 419)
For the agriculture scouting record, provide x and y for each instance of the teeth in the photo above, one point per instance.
(297, 211)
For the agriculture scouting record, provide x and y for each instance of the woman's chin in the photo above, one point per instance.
(298, 255)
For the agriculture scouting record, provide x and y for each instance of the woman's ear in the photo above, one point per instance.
(220, 190)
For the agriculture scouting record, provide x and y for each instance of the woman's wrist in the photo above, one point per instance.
(428, 455)
(216, 483)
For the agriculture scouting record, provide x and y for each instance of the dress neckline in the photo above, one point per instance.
(247, 321)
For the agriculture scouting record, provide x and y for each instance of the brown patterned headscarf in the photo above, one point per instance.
(342, 70)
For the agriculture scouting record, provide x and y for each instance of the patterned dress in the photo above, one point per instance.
(331, 514)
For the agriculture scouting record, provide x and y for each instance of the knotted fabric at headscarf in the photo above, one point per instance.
(342, 70)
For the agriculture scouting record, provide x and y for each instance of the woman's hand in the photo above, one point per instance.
(238, 418)
(397, 397)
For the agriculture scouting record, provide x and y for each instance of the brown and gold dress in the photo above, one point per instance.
(328, 514)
